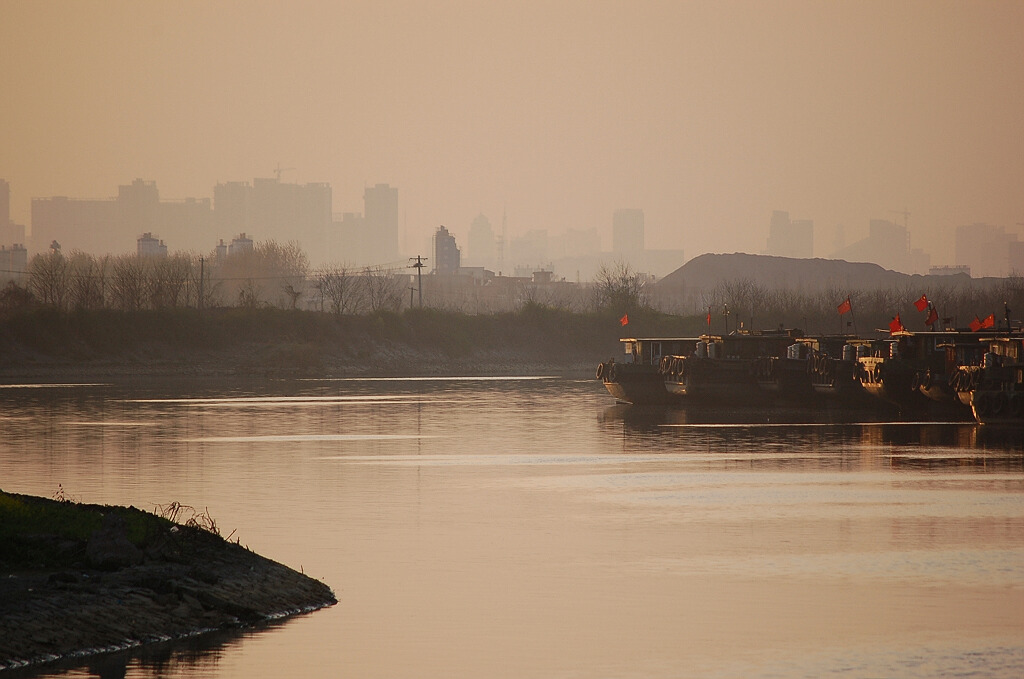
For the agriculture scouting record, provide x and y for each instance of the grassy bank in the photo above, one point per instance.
(234, 339)
(77, 580)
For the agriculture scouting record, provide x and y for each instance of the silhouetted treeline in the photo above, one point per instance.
(274, 275)
(956, 304)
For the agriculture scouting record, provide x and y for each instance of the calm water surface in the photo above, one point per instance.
(528, 527)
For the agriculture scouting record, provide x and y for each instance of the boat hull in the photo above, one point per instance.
(998, 407)
(636, 384)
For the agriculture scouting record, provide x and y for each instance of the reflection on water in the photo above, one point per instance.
(526, 527)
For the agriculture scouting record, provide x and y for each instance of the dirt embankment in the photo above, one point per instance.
(112, 578)
(272, 342)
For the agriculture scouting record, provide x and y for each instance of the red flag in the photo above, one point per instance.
(845, 307)
(975, 325)
(989, 321)
(709, 317)
(933, 316)
(624, 320)
(922, 303)
(896, 325)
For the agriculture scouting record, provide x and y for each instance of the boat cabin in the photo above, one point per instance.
(649, 350)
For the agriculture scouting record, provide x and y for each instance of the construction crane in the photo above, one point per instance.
(906, 216)
(278, 170)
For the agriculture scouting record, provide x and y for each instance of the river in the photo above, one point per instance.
(530, 527)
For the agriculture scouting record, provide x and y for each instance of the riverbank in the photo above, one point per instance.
(278, 343)
(78, 580)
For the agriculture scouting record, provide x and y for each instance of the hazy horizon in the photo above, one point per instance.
(707, 116)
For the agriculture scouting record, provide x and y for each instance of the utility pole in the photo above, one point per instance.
(418, 265)
(202, 275)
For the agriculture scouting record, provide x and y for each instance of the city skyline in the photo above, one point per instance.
(270, 209)
(708, 116)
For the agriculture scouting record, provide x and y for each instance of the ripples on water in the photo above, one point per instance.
(529, 527)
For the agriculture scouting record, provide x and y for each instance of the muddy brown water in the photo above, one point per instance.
(530, 527)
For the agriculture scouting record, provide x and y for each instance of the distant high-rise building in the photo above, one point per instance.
(888, 245)
(10, 233)
(1015, 255)
(13, 263)
(627, 231)
(380, 213)
(529, 251)
(986, 249)
(5, 202)
(790, 238)
(231, 205)
(107, 226)
(354, 245)
(277, 211)
(482, 245)
(447, 257)
(150, 246)
(582, 242)
(92, 226)
(138, 204)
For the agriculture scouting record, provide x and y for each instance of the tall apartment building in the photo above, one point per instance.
(447, 257)
(790, 238)
(628, 231)
(277, 211)
(10, 233)
(13, 263)
(92, 226)
(5, 202)
(482, 247)
(380, 215)
(110, 225)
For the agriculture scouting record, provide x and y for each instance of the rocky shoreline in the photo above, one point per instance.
(63, 598)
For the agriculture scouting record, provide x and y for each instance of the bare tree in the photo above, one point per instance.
(87, 280)
(128, 285)
(269, 266)
(383, 289)
(49, 274)
(619, 287)
(166, 280)
(339, 289)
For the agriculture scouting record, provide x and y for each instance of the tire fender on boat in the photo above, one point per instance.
(1000, 402)
(600, 370)
(982, 402)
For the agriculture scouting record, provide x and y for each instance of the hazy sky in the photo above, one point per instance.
(707, 115)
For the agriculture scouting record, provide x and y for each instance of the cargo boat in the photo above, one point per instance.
(740, 369)
(920, 371)
(998, 398)
(638, 379)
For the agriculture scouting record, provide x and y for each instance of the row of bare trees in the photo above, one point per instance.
(271, 274)
(127, 282)
(955, 303)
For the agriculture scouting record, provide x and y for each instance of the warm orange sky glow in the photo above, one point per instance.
(707, 115)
